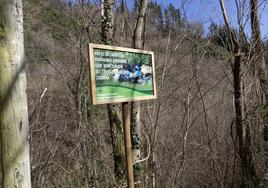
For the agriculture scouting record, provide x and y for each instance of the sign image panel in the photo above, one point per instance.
(121, 74)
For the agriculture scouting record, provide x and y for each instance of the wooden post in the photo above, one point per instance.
(128, 149)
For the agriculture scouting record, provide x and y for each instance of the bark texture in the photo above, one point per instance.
(259, 62)
(137, 42)
(107, 21)
(135, 106)
(13, 98)
(258, 52)
(116, 127)
(243, 132)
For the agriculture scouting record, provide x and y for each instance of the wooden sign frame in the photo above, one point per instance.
(102, 49)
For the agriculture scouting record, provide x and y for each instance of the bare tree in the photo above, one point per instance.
(242, 127)
(257, 55)
(13, 98)
(258, 61)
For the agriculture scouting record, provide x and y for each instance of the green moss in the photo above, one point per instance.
(135, 140)
(120, 168)
(138, 167)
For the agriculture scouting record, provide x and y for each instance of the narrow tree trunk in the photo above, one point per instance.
(117, 143)
(13, 98)
(258, 52)
(135, 106)
(243, 135)
(122, 22)
(137, 42)
(107, 21)
(259, 62)
(249, 177)
(116, 127)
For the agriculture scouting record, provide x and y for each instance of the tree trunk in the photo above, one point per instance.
(259, 62)
(116, 128)
(248, 177)
(13, 98)
(258, 52)
(135, 106)
(137, 42)
(243, 135)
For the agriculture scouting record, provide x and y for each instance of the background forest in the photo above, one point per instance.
(190, 136)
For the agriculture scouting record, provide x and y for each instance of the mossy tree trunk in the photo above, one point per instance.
(13, 98)
(135, 106)
(116, 127)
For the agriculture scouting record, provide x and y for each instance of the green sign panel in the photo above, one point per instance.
(121, 74)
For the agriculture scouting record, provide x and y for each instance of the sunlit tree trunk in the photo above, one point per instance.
(258, 51)
(242, 127)
(13, 98)
(259, 62)
(135, 106)
(116, 127)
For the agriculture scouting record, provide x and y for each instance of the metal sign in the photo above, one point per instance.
(121, 74)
